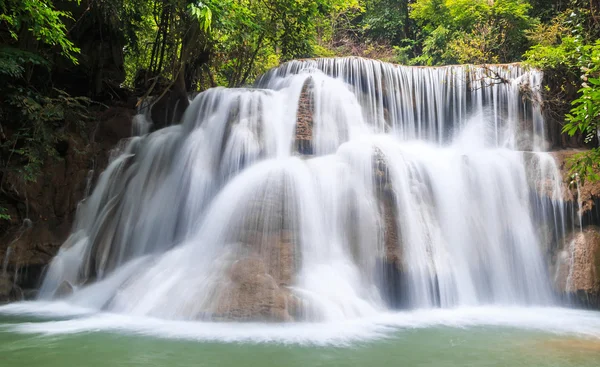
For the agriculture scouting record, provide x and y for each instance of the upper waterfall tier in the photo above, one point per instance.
(336, 188)
(433, 103)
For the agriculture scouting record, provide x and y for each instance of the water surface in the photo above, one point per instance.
(40, 334)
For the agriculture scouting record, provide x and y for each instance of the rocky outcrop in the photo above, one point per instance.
(43, 211)
(578, 267)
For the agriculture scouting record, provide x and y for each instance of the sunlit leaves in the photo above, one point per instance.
(42, 19)
(472, 31)
(202, 13)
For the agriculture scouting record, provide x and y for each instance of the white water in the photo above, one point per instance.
(560, 321)
(439, 147)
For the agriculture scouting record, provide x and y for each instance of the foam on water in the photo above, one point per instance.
(559, 321)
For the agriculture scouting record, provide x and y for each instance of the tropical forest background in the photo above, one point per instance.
(62, 62)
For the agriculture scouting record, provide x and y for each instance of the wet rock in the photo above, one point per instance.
(392, 277)
(589, 193)
(578, 267)
(277, 249)
(266, 262)
(304, 123)
(387, 208)
(30, 294)
(253, 295)
(64, 289)
(5, 288)
(9, 291)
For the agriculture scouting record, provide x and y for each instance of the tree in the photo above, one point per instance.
(471, 31)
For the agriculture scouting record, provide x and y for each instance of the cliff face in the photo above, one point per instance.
(43, 211)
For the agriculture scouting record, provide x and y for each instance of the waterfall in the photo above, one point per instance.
(332, 189)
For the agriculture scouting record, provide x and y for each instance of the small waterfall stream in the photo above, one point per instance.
(333, 189)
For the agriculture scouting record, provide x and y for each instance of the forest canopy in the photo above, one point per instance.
(59, 57)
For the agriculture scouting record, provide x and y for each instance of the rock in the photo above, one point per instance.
(9, 291)
(579, 201)
(253, 295)
(6, 286)
(304, 122)
(42, 212)
(30, 294)
(577, 271)
(115, 124)
(589, 192)
(64, 289)
(392, 277)
(387, 209)
(266, 261)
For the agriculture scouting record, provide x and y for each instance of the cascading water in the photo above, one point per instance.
(334, 189)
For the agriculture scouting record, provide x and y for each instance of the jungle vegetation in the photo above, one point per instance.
(59, 59)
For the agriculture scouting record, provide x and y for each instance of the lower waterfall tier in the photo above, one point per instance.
(379, 224)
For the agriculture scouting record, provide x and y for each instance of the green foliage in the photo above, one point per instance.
(386, 20)
(568, 50)
(41, 18)
(471, 31)
(585, 114)
(191, 45)
(584, 166)
(576, 55)
(32, 143)
(228, 42)
(3, 214)
(13, 61)
(202, 13)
